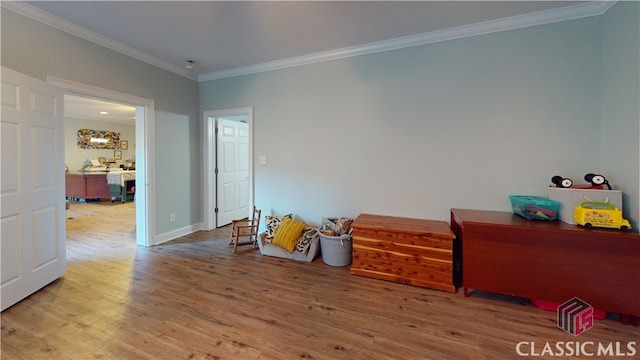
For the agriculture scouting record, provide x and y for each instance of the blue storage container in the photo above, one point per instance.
(535, 207)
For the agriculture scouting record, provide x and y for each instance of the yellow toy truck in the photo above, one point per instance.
(600, 214)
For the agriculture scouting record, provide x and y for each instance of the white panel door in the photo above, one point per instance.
(233, 171)
(33, 246)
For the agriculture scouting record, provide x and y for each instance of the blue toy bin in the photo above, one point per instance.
(535, 207)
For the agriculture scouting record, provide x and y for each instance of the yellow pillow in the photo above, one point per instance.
(288, 233)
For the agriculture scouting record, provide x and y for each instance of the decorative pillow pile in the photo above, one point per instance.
(287, 234)
(304, 241)
(271, 225)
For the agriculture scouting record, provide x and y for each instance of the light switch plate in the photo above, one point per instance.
(263, 160)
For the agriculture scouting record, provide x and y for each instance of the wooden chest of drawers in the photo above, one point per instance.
(549, 260)
(411, 251)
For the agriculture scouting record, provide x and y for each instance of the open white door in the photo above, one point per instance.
(233, 170)
(211, 159)
(33, 246)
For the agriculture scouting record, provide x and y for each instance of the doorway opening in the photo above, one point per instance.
(228, 165)
(144, 154)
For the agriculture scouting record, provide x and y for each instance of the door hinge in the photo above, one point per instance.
(215, 171)
(216, 130)
(215, 210)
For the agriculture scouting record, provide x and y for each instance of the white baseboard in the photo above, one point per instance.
(168, 236)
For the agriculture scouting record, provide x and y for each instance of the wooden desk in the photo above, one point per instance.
(411, 251)
(505, 253)
(87, 186)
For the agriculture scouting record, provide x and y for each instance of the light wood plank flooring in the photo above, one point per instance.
(192, 299)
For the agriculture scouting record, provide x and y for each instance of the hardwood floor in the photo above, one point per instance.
(192, 298)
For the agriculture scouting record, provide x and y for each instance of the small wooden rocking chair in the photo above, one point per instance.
(245, 231)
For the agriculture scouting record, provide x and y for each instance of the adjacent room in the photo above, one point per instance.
(99, 164)
(365, 157)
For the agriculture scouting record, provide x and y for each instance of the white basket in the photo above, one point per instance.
(336, 250)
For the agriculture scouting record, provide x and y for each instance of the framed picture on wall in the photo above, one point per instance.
(117, 154)
(124, 145)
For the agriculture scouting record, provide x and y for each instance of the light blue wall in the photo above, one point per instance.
(621, 102)
(39, 50)
(417, 131)
(411, 132)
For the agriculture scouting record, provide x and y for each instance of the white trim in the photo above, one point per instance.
(208, 162)
(145, 140)
(487, 27)
(509, 23)
(85, 90)
(44, 17)
(208, 166)
(177, 233)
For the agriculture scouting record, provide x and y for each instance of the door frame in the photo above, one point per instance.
(209, 161)
(145, 154)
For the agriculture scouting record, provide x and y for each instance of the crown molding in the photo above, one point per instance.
(44, 17)
(572, 12)
(487, 27)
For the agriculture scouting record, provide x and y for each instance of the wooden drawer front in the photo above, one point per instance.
(389, 240)
(419, 260)
(408, 244)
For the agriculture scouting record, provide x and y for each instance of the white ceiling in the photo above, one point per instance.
(90, 109)
(220, 36)
(227, 38)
